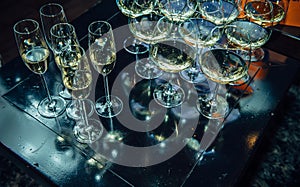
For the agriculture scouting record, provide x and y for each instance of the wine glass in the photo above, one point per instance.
(171, 55)
(35, 54)
(102, 52)
(77, 77)
(265, 12)
(201, 34)
(222, 66)
(133, 9)
(259, 11)
(220, 12)
(51, 14)
(249, 36)
(177, 10)
(149, 28)
(62, 35)
(280, 8)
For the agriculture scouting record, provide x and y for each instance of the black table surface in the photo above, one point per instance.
(47, 149)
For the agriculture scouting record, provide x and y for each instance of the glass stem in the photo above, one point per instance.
(106, 89)
(215, 94)
(51, 104)
(84, 115)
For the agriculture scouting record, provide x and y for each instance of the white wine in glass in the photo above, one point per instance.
(63, 36)
(150, 29)
(102, 52)
(201, 34)
(223, 67)
(171, 55)
(220, 12)
(35, 54)
(77, 77)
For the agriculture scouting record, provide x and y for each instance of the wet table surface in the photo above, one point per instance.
(176, 147)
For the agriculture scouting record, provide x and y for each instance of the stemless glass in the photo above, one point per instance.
(77, 77)
(102, 52)
(51, 14)
(201, 34)
(35, 54)
(62, 36)
(221, 66)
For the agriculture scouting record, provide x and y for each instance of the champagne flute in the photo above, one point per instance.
(35, 54)
(77, 77)
(51, 14)
(62, 36)
(202, 34)
(102, 52)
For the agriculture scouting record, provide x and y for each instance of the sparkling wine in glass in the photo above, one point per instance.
(102, 52)
(149, 28)
(77, 77)
(220, 12)
(171, 55)
(35, 54)
(259, 11)
(177, 10)
(248, 36)
(221, 66)
(201, 34)
(63, 36)
(133, 9)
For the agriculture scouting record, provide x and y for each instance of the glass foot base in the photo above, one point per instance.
(147, 69)
(135, 46)
(257, 55)
(88, 133)
(192, 75)
(73, 110)
(54, 109)
(108, 110)
(169, 95)
(213, 109)
(63, 92)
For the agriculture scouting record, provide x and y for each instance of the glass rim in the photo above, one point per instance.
(61, 9)
(35, 23)
(97, 22)
(70, 26)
